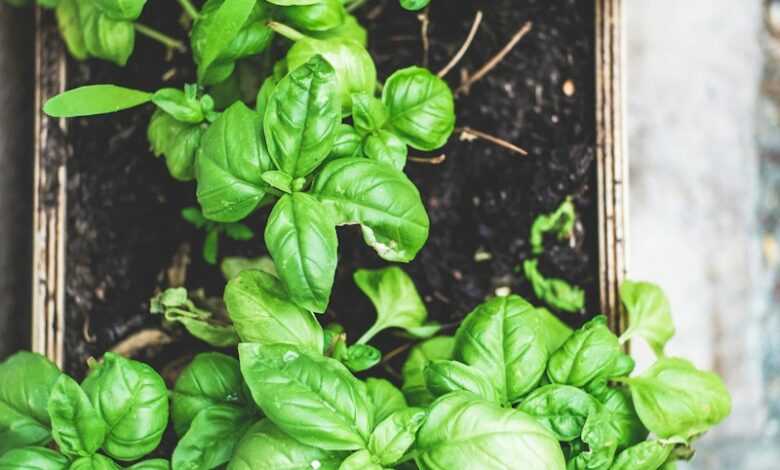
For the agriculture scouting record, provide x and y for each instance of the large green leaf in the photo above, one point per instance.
(505, 339)
(589, 354)
(301, 239)
(210, 440)
(27, 381)
(560, 408)
(266, 446)
(314, 399)
(302, 117)
(211, 379)
(230, 162)
(421, 108)
(69, 24)
(262, 313)
(76, 426)
(465, 432)
(33, 458)
(443, 377)
(379, 198)
(133, 401)
(105, 38)
(674, 399)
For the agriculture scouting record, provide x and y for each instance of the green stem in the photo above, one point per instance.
(286, 31)
(190, 9)
(369, 335)
(160, 37)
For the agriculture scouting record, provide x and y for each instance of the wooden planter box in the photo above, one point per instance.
(50, 205)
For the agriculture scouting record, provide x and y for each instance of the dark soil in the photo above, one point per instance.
(124, 226)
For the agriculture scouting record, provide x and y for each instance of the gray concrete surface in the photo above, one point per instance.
(16, 93)
(693, 75)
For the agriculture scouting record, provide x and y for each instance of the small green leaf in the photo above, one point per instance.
(194, 216)
(152, 464)
(128, 10)
(279, 180)
(588, 355)
(301, 239)
(560, 408)
(350, 29)
(557, 293)
(414, 5)
(238, 231)
(213, 328)
(232, 266)
(561, 222)
(386, 147)
(368, 113)
(421, 108)
(395, 298)
(90, 100)
(649, 314)
(648, 455)
(263, 313)
(69, 24)
(302, 116)
(177, 141)
(443, 377)
(211, 247)
(385, 397)
(320, 16)
(76, 426)
(217, 30)
(347, 143)
(180, 106)
(361, 460)
(361, 357)
(394, 436)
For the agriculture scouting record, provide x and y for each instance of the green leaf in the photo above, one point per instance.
(368, 113)
(379, 198)
(213, 328)
(675, 400)
(152, 464)
(105, 38)
(355, 69)
(648, 455)
(302, 117)
(211, 247)
(194, 216)
(360, 460)
(421, 108)
(320, 16)
(262, 313)
(128, 10)
(347, 143)
(601, 439)
(33, 458)
(238, 231)
(279, 180)
(649, 314)
(461, 427)
(132, 399)
(386, 147)
(94, 462)
(302, 240)
(76, 427)
(182, 107)
(414, 5)
(394, 435)
(560, 408)
(286, 3)
(90, 100)
(210, 440)
(414, 388)
(216, 28)
(211, 379)
(232, 266)
(314, 399)
(266, 446)
(69, 25)
(385, 397)
(623, 418)
(177, 141)
(555, 292)
(361, 357)
(28, 380)
(588, 355)
(395, 298)
(230, 162)
(443, 377)
(505, 339)
(561, 222)
(556, 332)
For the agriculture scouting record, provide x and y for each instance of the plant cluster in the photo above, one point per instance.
(514, 388)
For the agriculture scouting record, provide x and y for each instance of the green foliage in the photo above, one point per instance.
(557, 293)
(211, 326)
(414, 384)
(414, 5)
(649, 314)
(560, 222)
(90, 100)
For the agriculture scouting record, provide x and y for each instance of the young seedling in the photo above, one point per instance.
(214, 230)
(557, 293)
(210, 324)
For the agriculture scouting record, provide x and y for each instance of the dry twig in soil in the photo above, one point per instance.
(468, 134)
(469, 39)
(430, 161)
(491, 64)
(425, 22)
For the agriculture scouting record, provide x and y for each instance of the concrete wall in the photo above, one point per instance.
(16, 95)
